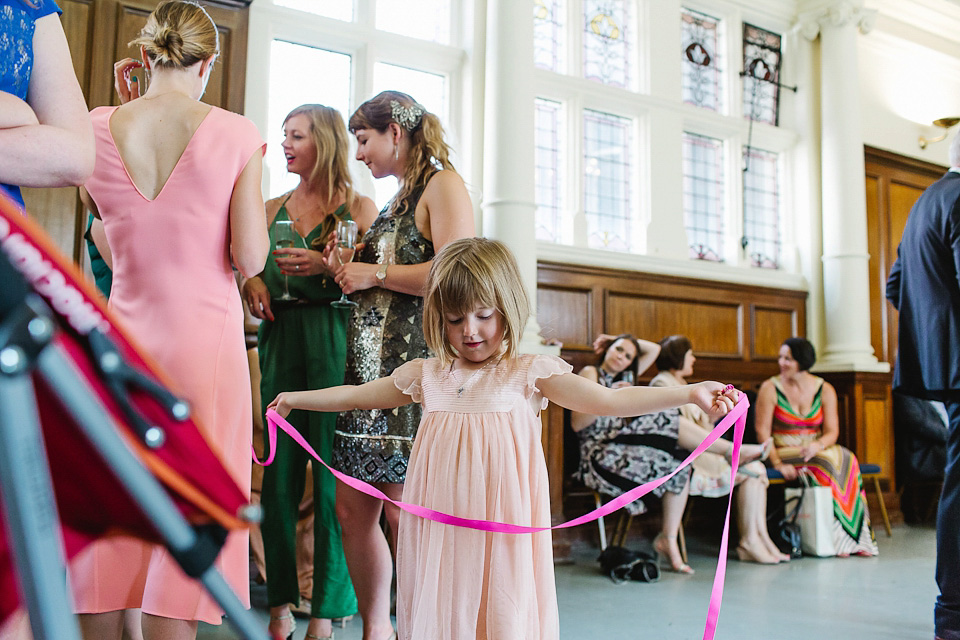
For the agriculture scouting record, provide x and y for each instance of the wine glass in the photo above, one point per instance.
(346, 247)
(285, 237)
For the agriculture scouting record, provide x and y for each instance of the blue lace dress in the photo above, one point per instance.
(17, 21)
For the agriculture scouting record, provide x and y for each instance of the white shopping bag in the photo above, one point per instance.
(815, 520)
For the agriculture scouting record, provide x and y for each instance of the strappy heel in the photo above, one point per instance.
(293, 626)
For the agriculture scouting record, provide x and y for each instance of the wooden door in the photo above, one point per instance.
(893, 183)
(98, 32)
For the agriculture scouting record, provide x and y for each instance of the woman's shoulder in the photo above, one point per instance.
(664, 379)
(39, 9)
(443, 179)
(240, 128)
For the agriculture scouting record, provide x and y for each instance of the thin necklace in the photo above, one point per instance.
(463, 384)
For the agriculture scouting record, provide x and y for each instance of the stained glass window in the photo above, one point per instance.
(548, 177)
(761, 66)
(761, 208)
(548, 34)
(608, 42)
(703, 209)
(424, 19)
(702, 63)
(606, 180)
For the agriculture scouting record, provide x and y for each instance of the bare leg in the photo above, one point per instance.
(368, 555)
(159, 628)
(320, 628)
(666, 543)
(751, 498)
(132, 626)
(101, 626)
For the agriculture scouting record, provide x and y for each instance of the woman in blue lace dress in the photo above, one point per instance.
(45, 130)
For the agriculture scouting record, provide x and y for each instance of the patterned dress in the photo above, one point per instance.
(835, 467)
(17, 22)
(385, 331)
(618, 454)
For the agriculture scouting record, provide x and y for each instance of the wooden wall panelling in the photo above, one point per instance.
(736, 331)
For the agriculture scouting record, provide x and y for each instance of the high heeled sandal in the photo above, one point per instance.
(745, 555)
(293, 624)
(663, 555)
(310, 636)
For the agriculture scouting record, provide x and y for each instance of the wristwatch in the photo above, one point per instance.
(382, 274)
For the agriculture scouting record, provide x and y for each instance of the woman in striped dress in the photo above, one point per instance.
(800, 410)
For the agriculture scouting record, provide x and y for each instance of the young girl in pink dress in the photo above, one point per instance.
(477, 453)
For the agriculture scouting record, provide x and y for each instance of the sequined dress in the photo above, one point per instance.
(385, 331)
(17, 22)
(618, 454)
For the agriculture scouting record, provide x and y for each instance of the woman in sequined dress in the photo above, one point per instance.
(395, 136)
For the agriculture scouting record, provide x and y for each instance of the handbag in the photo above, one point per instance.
(622, 564)
(787, 532)
(815, 517)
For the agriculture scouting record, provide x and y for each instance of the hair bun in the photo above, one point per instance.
(169, 45)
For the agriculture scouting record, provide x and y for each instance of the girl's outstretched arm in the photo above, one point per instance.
(579, 394)
(377, 394)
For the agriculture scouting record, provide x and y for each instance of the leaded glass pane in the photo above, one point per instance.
(761, 208)
(703, 196)
(547, 125)
(701, 60)
(608, 41)
(548, 34)
(423, 19)
(342, 10)
(606, 180)
(761, 80)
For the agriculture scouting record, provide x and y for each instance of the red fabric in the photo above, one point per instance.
(89, 499)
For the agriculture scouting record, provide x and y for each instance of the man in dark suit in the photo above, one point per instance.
(924, 286)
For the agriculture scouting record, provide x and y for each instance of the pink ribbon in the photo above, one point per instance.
(737, 416)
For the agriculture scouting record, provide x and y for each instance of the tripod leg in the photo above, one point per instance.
(58, 371)
(30, 512)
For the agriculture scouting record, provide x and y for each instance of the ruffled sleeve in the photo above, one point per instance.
(407, 378)
(544, 367)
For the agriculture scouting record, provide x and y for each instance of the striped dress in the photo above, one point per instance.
(835, 467)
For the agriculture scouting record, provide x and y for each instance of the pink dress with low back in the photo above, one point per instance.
(175, 293)
(477, 455)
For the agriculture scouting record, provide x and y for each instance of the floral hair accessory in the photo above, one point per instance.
(407, 117)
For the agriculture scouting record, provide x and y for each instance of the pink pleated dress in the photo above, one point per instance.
(175, 293)
(478, 455)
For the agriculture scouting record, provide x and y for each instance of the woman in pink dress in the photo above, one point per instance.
(478, 453)
(177, 185)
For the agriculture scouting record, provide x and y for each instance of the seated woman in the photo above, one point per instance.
(711, 471)
(618, 454)
(800, 410)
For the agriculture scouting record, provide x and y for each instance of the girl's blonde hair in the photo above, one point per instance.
(178, 34)
(330, 170)
(474, 272)
(428, 150)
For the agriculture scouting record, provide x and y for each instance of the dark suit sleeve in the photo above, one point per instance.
(955, 238)
(893, 282)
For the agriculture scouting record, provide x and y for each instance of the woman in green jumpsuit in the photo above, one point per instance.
(302, 345)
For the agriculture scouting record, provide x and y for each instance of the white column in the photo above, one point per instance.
(846, 282)
(508, 175)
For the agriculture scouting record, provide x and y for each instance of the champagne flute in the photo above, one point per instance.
(285, 237)
(346, 247)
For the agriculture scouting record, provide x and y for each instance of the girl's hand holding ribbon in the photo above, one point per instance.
(280, 405)
(713, 397)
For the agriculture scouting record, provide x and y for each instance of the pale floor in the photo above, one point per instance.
(885, 598)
